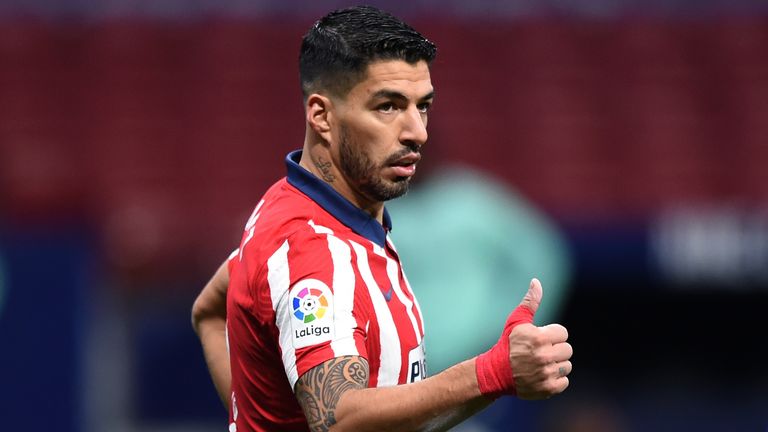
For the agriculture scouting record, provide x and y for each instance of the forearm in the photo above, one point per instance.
(212, 333)
(209, 314)
(434, 404)
(457, 415)
(528, 361)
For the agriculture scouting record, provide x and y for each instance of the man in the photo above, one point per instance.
(324, 331)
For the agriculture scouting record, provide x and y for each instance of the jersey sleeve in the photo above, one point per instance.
(231, 260)
(315, 309)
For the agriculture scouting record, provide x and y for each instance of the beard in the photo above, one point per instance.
(363, 172)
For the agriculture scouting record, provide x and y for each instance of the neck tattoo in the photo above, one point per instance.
(325, 169)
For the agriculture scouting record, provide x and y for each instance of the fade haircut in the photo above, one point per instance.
(337, 50)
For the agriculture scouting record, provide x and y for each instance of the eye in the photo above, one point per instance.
(386, 107)
(424, 107)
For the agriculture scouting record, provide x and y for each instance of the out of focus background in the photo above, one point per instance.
(617, 150)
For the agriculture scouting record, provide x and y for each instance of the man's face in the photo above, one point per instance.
(381, 128)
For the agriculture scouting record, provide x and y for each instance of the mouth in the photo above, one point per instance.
(405, 166)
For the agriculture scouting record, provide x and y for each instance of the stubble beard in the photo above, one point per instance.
(363, 173)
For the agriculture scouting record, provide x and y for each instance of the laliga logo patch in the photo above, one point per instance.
(312, 305)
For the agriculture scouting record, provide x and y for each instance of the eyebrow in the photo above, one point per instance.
(393, 94)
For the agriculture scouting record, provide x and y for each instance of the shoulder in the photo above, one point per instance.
(296, 216)
(286, 222)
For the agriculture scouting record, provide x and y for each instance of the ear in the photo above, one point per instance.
(318, 109)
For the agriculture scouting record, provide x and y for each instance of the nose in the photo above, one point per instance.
(414, 127)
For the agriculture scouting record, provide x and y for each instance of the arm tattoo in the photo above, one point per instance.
(325, 168)
(318, 391)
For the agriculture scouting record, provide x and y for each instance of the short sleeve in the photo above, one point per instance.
(313, 282)
(231, 260)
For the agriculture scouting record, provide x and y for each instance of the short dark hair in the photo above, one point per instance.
(337, 50)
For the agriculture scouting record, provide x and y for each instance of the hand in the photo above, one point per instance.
(539, 356)
(531, 362)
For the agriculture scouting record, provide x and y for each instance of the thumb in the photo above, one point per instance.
(532, 298)
(525, 311)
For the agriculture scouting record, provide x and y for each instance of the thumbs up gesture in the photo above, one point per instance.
(531, 362)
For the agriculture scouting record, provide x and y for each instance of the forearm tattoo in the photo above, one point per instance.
(325, 168)
(318, 391)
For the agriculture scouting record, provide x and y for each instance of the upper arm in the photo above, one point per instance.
(319, 389)
(321, 326)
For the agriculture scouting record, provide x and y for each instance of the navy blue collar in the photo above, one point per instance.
(335, 204)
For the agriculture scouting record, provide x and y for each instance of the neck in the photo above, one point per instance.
(317, 160)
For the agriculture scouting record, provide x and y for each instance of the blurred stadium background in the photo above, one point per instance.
(627, 141)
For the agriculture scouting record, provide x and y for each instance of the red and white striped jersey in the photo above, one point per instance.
(314, 278)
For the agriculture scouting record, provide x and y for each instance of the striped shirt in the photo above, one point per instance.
(314, 278)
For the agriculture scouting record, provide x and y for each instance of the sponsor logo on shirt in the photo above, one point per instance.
(417, 362)
(312, 308)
